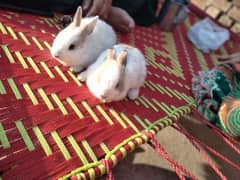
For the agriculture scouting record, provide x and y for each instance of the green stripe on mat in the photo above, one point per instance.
(14, 88)
(3, 137)
(25, 135)
(42, 140)
(2, 88)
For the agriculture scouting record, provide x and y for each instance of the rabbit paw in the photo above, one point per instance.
(82, 76)
(133, 93)
(76, 69)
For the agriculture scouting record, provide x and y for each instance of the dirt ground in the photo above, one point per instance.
(145, 164)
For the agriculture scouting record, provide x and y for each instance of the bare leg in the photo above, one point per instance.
(120, 20)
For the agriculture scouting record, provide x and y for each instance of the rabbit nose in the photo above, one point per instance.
(56, 55)
(103, 96)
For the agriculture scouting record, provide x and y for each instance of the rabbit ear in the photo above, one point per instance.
(91, 25)
(110, 54)
(77, 17)
(122, 57)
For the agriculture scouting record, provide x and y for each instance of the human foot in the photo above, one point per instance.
(120, 20)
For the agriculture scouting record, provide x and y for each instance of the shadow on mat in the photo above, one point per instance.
(127, 170)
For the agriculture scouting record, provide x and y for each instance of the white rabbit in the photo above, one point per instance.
(117, 73)
(78, 45)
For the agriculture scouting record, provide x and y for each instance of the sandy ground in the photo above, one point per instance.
(145, 164)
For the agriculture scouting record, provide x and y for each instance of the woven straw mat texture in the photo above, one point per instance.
(50, 124)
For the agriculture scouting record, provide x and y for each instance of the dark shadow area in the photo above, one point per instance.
(144, 163)
(127, 170)
(207, 136)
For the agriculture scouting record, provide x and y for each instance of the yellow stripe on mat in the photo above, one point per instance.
(140, 99)
(48, 22)
(45, 99)
(114, 159)
(24, 38)
(42, 141)
(148, 84)
(89, 150)
(115, 114)
(37, 43)
(59, 71)
(156, 87)
(30, 94)
(77, 149)
(123, 151)
(149, 103)
(80, 176)
(164, 90)
(21, 59)
(74, 78)
(104, 148)
(47, 44)
(105, 115)
(149, 124)
(45, 67)
(165, 108)
(91, 173)
(2, 28)
(33, 64)
(140, 121)
(201, 59)
(59, 104)
(61, 145)
(170, 91)
(75, 108)
(132, 145)
(12, 33)
(90, 111)
(129, 122)
(102, 169)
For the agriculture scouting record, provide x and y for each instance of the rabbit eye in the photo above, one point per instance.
(117, 85)
(71, 47)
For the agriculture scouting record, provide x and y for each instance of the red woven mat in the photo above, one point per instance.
(50, 124)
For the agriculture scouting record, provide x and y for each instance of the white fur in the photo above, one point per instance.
(100, 39)
(133, 79)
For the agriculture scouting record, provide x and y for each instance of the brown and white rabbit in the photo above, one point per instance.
(78, 45)
(117, 73)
